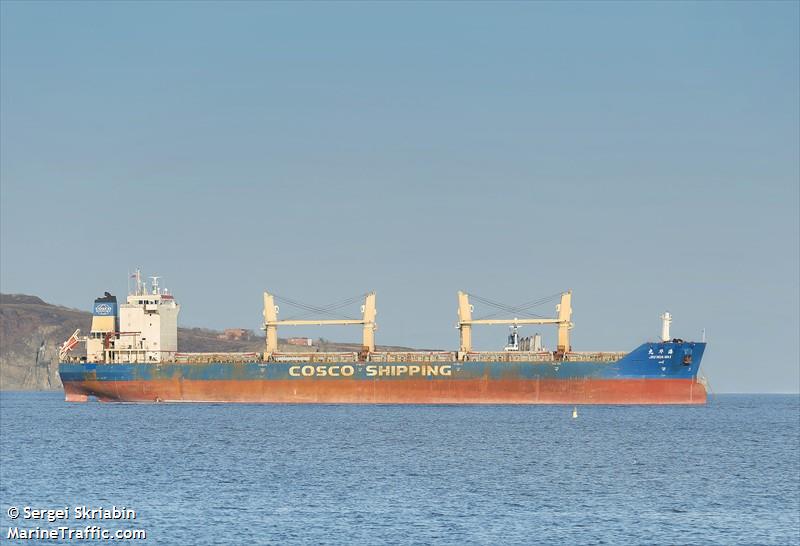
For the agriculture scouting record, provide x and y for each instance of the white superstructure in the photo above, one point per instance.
(148, 326)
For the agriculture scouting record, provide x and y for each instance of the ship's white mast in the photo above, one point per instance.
(138, 282)
(666, 320)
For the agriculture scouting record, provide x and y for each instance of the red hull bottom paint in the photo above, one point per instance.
(346, 391)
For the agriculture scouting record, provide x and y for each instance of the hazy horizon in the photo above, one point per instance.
(644, 155)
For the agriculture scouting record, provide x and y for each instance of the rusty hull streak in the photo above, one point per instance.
(411, 391)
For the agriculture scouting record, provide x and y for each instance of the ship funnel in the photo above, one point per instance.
(105, 321)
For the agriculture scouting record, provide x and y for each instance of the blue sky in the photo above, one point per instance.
(644, 155)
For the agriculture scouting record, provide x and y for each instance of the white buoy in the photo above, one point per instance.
(575, 412)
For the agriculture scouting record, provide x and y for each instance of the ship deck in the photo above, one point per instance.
(378, 357)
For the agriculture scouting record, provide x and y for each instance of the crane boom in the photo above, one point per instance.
(513, 321)
(343, 322)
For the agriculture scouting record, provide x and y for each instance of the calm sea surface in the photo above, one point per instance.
(728, 473)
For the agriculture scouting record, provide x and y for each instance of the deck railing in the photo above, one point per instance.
(404, 356)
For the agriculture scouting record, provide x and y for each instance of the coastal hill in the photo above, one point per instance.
(32, 330)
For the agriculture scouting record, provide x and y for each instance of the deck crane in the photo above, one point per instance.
(271, 323)
(563, 320)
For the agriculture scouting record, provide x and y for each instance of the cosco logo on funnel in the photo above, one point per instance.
(103, 309)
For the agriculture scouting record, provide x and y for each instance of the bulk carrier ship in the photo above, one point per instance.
(132, 356)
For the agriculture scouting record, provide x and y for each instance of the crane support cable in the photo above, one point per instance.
(323, 310)
(515, 310)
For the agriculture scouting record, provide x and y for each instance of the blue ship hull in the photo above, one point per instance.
(654, 373)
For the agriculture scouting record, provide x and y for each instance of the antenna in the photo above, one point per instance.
(155, 284)
(138, 282)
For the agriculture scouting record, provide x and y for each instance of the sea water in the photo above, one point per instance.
(725, 473)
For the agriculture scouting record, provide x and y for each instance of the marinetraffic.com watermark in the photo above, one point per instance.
(72, 523)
